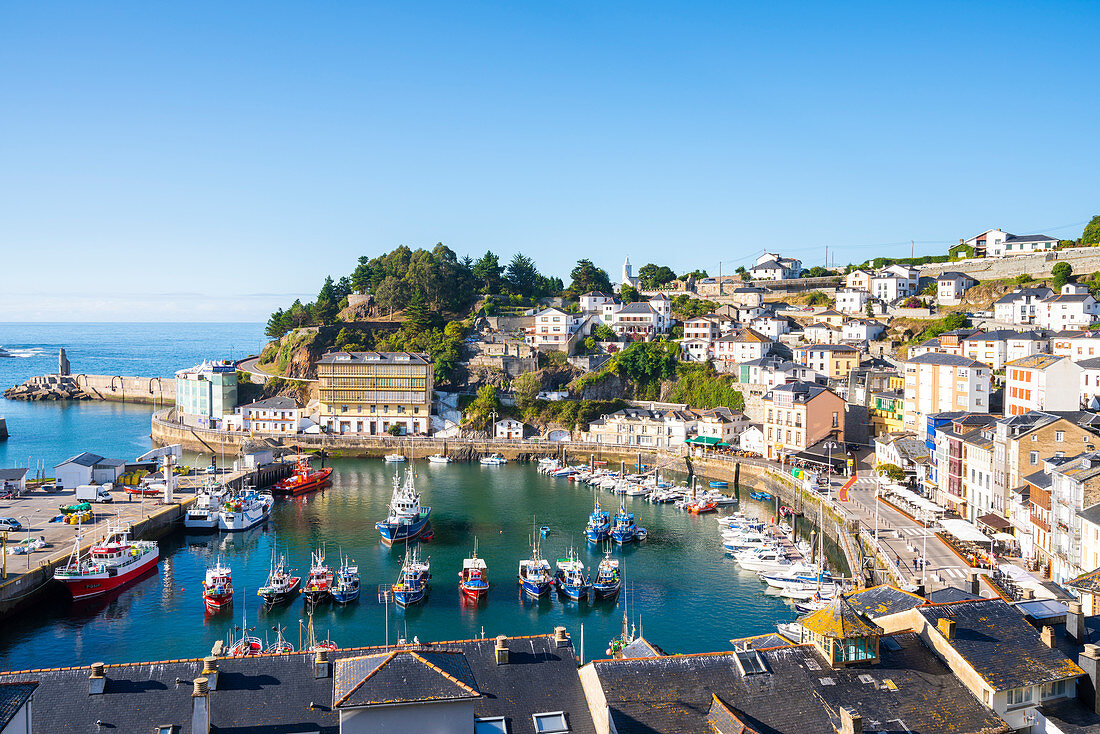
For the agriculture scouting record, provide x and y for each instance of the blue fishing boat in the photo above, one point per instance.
(345, 587)
(608, 581)
(570, 579)
(599, 523)
(406, 519)
(534, 574)
(544, 531)
(763, 496)
(719, 485)
(624, 528)
(412, 582)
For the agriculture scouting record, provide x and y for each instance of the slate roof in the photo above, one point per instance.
(839, 620)
(273, 693)
(404, 676)
(760, 642)
(998, 643)
(803, 392)
(1023, 293)
(797, 693)
(745, 336)
(1070, 717)
(83, 459)
(948, 359)
(13, 475)
(1029, 238)
(279, 402)
(12, 698)
(949, 594)
(642, 648)
(393, 357)
(878, 601)
(953, 275)
(639, 307)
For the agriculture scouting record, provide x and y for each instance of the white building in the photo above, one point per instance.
(862, 330)
(1077, 345)
(771, 266)
(770, 326)
(888, 286)
(640, 427)
(552, 329)
(941, 383)
(594, 301)
(1042, 382)
(1068, 310)
(1021, 306)
(741, 345)
(752, 439)
(206, 394)
(14, 480)
(850, 300)
(695, 350)
(1020, 245)
(722, 424)
(509, 429)
(858, 280)
(951, 286)
(279, 414)
(87, 468)
(989, 239)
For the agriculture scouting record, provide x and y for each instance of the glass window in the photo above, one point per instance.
(491, 725)
(1033, 458)
(550, 723)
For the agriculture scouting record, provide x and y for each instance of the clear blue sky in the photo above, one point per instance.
(209, 161)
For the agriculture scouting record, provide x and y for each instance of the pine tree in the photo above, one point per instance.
(418, 316)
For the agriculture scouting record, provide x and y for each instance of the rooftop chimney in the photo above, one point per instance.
(946, 627)
(1089, 660)
(974, 580)
(97, 681)
(1029, 594)
(210, 671)
(1047, 635)
(501, 650)
(561, 637)
(850, 722)
(322, 668)
(1075, 622)
(200, 707)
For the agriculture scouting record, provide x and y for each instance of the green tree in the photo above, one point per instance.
(654, 276)
(394, 430)
(604, 333)
(870, 311)
(1061, 273)
(893, 472)
(276, 324)
(298, 316)
(418, 316)
(817, 298)
(930, 289)
(1091, 235)
(526, 388)
(522, 275)
(697, 274)
(629, 294)
(587, 277)
(325, 307)
(392, 293)
(487, 272)
(361, 276)
(454, 330)
(1022, 278)
(480, 414)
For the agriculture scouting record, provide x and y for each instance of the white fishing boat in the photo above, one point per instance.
(439, 459)
(394, 458)
(764, 559)
(205, 513)
(493, 460)
(245, 510)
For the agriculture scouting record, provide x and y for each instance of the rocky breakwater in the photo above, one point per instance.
(48, 387)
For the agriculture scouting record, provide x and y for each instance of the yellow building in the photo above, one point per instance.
(370, 393)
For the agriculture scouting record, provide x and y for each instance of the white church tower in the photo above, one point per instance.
(627, 276)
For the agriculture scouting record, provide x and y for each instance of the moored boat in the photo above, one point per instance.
(304, 479)
(719, 485)
(280, 585)
(624, 527)
(570, 578)
(473, 580)
(318, 586)
(245, 509)
(345, 587)
(599, 523)
(534, 573)
(111, 564)
(217, 587)
(413, 580)
(406, 519)
(281, 646)
(608, 580)
(761, 496)
(493, 460)
(394, 458)
(439, 459)
(205, 512)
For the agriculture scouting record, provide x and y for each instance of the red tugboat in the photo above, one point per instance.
(112, 564)
(305, 479)
(217, 588)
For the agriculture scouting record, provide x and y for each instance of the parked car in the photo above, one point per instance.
(822, 480)
(8, 524)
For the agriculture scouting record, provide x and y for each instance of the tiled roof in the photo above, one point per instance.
(879, 601)
(839, 620)
(745, 336)
(1001, 647)
(796, 692)
(1086, 582)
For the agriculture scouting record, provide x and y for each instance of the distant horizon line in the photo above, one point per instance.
(18, 323)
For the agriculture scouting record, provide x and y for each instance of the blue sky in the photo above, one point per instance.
(209, 161)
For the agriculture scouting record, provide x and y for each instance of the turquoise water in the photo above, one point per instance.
(679, 587)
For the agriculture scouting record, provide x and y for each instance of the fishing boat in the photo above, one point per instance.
(534, 574)
(394, 458)
(304, 479)
(702, 506)
(544, 531)
(281, 646)
(473, 580)
(315, 645)
(245, 509)
(599, 523)
(413, 580)
(280, 585)
(624, 527)
(608, 581)
(570, 578)
(205, 512)
(217, 587)
(719, 485)
(345, 588)
(115, 562)
(318, 586)
(439, 459)
(406, 519)
(247, 644)
(762, 496)
(493, 460)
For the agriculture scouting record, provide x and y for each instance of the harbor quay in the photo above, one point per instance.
(23, 577)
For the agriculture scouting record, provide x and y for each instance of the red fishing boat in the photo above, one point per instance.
(473, 581)
(217, 588)
(698, 508)
(114, 563)
(305, 479)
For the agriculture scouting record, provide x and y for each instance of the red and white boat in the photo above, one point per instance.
(217, 588)
(111, 564)
(305, 479)
(473, 580)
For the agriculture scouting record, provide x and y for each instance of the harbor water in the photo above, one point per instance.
(680, 589)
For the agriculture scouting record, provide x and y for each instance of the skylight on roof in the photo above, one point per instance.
(491, 725)
(749, 662)
(550, 722)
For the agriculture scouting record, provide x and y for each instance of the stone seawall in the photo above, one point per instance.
(152, 390)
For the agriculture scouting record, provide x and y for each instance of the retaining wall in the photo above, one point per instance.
(1083, 260)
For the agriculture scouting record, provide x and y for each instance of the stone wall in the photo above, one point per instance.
(1083, 260)
(154, 390)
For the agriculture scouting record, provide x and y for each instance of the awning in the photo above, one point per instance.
(1004, 537)
(706, 441)
(994, 521)
(965, 531)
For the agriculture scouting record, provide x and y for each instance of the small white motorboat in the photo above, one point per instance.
(493, 460)
(439, 459)
(394, 458)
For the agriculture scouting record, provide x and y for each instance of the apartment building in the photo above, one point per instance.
(798, 415)
(852, 301)
(946, 480)
(553, 329)
(834, 361)
(1042, 382)
(1077, 345)
(741, 345)
(657, 428)
(373, 393)
(862, 330)
(1073, 308)
(206, 394)
(1023, 306)
(937, 383)
(769, 371)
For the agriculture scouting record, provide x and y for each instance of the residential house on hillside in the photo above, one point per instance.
(1042, 382)
(1022, 244)
(935, 383)
(741, 345)
(594, 301)
(991, 238)
(1068, 310)
(643, 428)
(1075, 486)
(1077, 345)
(770, 266)
(894, 282)
(554, 329)
(852, 301)
(833, 360)
(904, 450)
(1022, 306)
(770, 370)
(862, 330)
(821, 333)
(770, 325)
(951, 286)
(798, 415)
(858, 280)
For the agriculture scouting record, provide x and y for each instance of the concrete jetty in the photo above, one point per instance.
(63, 385)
